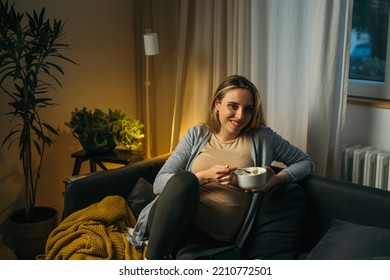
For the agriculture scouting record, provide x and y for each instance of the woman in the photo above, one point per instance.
(198, 197)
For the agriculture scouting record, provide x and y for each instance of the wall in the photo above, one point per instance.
(101, 35)
(367, 126)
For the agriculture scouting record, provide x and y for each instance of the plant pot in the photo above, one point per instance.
(6, 253)
(97, 142)
(30, 238)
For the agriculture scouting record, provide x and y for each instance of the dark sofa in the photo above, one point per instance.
(343, 220)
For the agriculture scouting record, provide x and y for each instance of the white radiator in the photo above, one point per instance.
(366, 165)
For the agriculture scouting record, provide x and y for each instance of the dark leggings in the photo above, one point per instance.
(171, 214)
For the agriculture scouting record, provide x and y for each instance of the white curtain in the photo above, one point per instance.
(212, 37)
(295, 51)
(301, 51)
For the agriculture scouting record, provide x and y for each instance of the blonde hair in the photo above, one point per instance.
(230, 83)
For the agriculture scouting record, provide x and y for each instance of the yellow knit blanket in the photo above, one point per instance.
(97, 232)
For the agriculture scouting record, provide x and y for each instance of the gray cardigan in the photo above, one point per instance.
(266, 146)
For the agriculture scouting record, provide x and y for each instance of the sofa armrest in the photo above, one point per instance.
(90, 189)
(330, 199)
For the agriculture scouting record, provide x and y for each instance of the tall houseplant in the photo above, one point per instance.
(30, 50)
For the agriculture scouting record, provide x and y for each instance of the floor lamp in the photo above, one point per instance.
(151, 48)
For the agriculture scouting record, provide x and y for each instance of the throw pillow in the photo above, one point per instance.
(349, 241)
(278, 226)
(140, 196)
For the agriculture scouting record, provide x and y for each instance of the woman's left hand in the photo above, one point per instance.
(272, 180)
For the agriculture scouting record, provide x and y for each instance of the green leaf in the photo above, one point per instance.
(37, 147)
(50, 128)
(56, 66)
(8, 138)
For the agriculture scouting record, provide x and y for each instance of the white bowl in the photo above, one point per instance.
(254, 179)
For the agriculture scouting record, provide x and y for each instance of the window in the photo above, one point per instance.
(368, 70)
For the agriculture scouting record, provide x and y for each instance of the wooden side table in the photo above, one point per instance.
(118, 156)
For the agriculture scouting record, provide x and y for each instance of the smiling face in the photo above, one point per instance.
(235, 108)
(235, 111)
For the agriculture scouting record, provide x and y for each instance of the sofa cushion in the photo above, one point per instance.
(350, 241)
(140, 196)
(278, 225)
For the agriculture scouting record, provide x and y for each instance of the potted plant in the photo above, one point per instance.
(30, 50)
(99, 132)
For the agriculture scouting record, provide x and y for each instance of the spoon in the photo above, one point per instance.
(255, 171)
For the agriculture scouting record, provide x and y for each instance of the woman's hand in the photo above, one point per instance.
(272, 180)
(223, 174)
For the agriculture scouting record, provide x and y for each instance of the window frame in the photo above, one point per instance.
(373, 90)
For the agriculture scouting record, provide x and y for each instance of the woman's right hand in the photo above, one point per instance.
(272, 180)
(222, 174)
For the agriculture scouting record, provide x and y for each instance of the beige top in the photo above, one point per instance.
(222, 209)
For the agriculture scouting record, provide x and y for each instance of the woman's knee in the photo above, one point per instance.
(180, 194)
(184, 185)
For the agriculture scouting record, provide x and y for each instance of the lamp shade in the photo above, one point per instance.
(151, 43)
